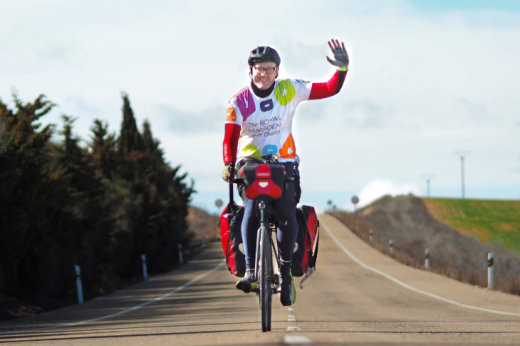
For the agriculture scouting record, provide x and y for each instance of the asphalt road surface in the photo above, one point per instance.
(357, 296)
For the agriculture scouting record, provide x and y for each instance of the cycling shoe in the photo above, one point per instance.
(288, 289)
(248, 283)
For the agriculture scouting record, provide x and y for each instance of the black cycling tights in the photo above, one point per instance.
(286, 234)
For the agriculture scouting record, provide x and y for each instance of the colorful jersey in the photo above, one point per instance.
(267, 122)
(262, 126)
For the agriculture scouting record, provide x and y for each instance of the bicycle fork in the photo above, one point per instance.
(261, 207)
(264, 224)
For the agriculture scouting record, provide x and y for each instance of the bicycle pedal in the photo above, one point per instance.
(276, 280)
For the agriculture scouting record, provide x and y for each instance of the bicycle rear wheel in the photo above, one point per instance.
(264, 278)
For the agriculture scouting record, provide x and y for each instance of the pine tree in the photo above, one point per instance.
(103, 147)
(130, 139)
(30, 207)
(87, 197)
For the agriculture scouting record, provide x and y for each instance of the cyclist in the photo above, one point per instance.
(259, 122)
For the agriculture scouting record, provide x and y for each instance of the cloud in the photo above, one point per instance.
(476, 111)
(53, 53)
(179, 121)
(81, 105)
(368, 114)
(380, 187)
(296, 52)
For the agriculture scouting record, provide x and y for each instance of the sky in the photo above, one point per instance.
(426, 79)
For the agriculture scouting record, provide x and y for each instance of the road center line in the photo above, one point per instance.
(297, 339)
(293, 328)
(124, 311)
(408, 286)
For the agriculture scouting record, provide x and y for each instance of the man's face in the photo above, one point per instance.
(264, 74)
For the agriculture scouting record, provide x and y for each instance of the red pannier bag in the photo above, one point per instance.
(229, 226)
(306, 248)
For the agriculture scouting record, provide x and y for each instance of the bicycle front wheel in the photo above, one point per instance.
(264, 278)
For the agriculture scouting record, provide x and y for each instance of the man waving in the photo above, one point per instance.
(259, 122)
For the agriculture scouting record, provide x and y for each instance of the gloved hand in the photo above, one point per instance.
(340, 55)
(226, 174)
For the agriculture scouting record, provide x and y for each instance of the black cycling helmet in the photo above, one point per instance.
(263, 54)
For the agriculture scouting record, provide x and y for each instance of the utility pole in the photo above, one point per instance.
(462, 154)
(428, 177)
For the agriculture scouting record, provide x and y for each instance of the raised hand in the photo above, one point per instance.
(340, 54)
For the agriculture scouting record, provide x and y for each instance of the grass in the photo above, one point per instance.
(491, 221)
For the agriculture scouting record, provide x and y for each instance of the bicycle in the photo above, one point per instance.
(267, 185)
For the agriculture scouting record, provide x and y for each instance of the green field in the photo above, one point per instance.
(491, 221)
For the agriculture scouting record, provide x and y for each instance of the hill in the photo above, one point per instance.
(490, 221)
(200, 222)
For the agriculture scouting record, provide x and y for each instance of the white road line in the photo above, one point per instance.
(291, 316)
(410, 287)
(124, 311)
(297, 339)
(292, 320)
(290, 309)
(292, 328)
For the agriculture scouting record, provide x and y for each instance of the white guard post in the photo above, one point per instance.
(490, 270)
(370, 235)
(391, 245)
(181, 258)
(427, 259)
(145, 269)
(78, 283)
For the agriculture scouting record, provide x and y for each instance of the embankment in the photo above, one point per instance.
(407, 221)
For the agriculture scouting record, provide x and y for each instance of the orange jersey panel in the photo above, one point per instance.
(288, 150)
(231, 115)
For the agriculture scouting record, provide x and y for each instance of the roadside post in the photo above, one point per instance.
(371, 235)
(145, 270)
(355, 201)
(219, 203)
(203, 240)
(427, 259)
(78, 283)
(391, 246)
(181, 258)
(490, 270)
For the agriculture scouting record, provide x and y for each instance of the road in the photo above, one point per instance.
(357, 296)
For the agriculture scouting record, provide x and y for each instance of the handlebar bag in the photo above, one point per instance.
(262, 181)
(229, 225)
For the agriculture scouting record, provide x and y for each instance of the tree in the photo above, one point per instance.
(103, 146)
(87, 202)
(130, 139)
(30, 203)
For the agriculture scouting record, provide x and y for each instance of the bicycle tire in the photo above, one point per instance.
(264, 279)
